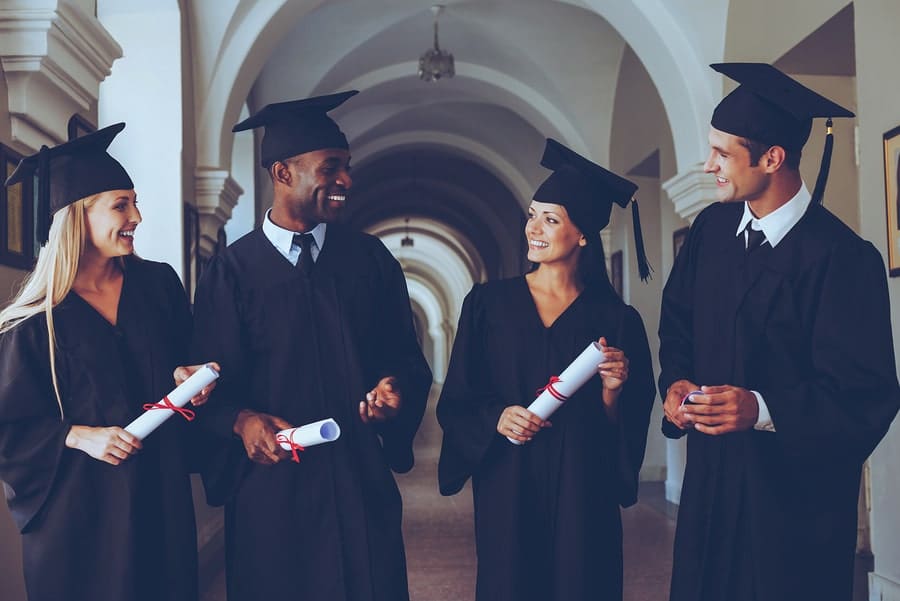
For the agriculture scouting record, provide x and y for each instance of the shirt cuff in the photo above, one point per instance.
(764, 421)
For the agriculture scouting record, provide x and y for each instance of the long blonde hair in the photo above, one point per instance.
(52, 277)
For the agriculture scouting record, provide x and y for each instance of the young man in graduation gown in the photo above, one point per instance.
(309, 321)
(778, 316)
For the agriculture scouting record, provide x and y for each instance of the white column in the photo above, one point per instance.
(215, 195)
(691, 191)
(54, 56)
(144, 90)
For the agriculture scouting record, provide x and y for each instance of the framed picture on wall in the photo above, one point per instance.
(892, 198)
(615, 272)
(678, 238)
(17, 206)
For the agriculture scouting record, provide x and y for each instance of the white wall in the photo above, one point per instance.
(144, 90)
(243, 163)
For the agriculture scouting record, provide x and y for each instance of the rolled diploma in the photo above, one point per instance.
(571, 379)
(151, 420)
(326, 430)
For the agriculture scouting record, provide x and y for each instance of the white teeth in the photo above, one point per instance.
(337, 197)
(721, 180)
(538, 244)
(128, 234)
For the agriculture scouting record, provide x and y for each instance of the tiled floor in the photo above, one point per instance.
(440, 545)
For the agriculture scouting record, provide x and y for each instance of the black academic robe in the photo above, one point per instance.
(763, 515)
(91, 530)
(304, 349)
(547, 523)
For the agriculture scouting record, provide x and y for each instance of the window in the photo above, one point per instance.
(17, 205)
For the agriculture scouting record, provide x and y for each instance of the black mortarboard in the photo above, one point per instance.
(297, 126)
(71, 171)
(588, 192)
(774, 109)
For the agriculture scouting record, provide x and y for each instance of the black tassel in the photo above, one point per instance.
(43, 217)
(825, 167)
(644, 268)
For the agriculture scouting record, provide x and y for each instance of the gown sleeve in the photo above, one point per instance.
(634, 405)
(217, 337)
(32, 433)
(402, 358)
(845, 406)
(676, 348)
(468, 411)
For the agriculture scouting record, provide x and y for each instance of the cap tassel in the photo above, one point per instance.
(825, 167)
(644, 268)
(43, 217)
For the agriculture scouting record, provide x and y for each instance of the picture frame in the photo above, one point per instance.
(18, 248)
(615, 272)
(678, 238)
(892, 198)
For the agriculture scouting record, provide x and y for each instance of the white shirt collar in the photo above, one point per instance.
(283, 240)
(779, 222)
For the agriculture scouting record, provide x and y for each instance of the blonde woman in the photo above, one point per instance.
(94, 334)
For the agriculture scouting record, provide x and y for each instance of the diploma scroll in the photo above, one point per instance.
(326, 430)
(175, 400)
(569, 381)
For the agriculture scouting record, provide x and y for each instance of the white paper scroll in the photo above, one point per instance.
(570, 380)
(151, 420)
(326, 430)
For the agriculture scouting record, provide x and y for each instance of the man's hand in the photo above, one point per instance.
(257, 431)
(672, 405)
(111, 445)
(722, 409)
(382, 402)
(184, 372)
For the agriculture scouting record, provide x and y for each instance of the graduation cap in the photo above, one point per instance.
(71, 171)
(774, 109)
(297, 126)
(588, 192)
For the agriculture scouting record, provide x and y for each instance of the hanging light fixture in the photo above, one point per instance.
(436, 63)
(407, 241)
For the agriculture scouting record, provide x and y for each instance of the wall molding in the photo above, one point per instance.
(882, 588)
(54, 59)
(215, 195)
(691, 191)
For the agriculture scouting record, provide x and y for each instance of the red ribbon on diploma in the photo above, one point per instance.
(553, 391)
(165, 403)
(279, 438)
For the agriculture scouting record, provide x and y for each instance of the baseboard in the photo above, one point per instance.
(882, 588)
(653, 473)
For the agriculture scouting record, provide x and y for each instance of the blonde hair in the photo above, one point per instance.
(52, 277)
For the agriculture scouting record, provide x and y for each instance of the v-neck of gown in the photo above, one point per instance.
(537, 313)
(118, 304)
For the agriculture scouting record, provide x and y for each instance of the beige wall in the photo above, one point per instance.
(878, 91)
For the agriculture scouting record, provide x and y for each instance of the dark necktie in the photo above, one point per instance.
(755, 238)
(305, 263)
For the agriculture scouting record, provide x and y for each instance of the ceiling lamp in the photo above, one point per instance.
(436, 63)
(407, 241)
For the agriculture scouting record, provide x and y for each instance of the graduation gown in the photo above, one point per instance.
(547, 524)
(768, 515)
(304, 349)
(91, 530)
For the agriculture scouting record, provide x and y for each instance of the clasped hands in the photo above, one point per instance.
(258, 430)
(520, 424)
(715, 410)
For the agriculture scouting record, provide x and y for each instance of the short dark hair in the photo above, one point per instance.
(757, 149)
